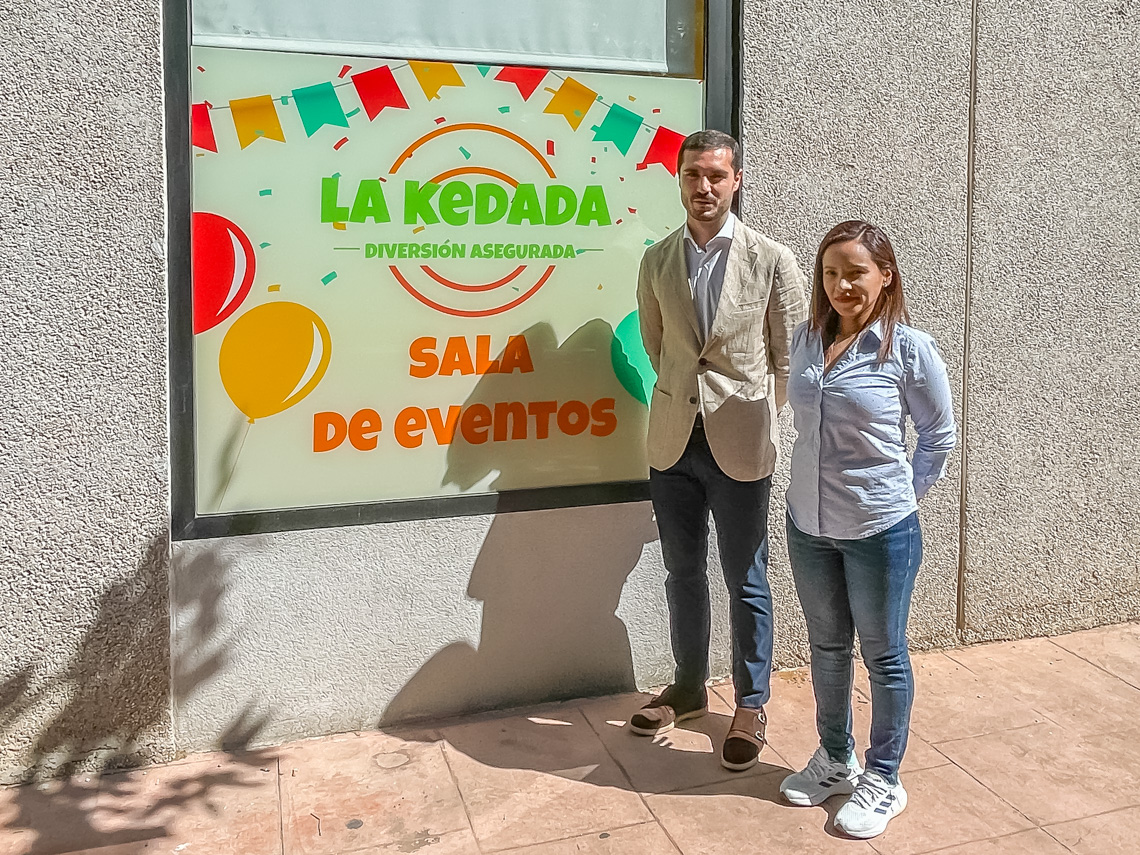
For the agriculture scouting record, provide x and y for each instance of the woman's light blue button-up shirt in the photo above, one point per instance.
(850, 474)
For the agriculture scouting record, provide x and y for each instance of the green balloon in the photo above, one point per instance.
(630, 361)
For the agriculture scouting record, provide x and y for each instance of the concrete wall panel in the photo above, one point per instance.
(287, 635)
(1053, 502)
(860, 110)
(84, 628)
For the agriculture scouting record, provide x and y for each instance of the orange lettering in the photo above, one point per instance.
(516, 356)
(456, 357)
(484, 364)
(542, 411)
(410, 425)
(474, 423)
(325, 439)
(444, 430)
(605, 421)
(363, 428)
(422, 354)
(517, 413)
(573, 418)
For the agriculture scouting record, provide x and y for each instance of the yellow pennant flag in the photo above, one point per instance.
(433, 76)
(572, 100)
(255, 118)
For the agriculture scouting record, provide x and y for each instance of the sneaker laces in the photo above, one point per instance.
(819, 766)
(870, 790)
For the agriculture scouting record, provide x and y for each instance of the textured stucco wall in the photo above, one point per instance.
(84, 630)
(1053, 501)
(285, 635)
(860, 110)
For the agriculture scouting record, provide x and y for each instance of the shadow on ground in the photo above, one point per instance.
(108, 710)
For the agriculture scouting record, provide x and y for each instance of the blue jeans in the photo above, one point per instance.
(682, 497)
(863, 585)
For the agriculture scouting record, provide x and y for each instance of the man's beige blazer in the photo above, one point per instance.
(737, 379)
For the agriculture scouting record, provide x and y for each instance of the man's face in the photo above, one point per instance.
(708, 182)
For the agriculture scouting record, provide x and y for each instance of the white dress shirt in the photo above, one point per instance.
(706, 272)
(850, 474)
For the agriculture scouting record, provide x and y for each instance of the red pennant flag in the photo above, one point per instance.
(201, 129)
(378, 89)
(664, 149)
(525, 78)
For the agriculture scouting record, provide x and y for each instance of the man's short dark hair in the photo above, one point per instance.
(708, 141)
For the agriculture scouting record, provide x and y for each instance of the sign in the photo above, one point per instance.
(417, 279)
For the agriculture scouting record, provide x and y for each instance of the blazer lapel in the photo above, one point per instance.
(741, 260)
(677, 272)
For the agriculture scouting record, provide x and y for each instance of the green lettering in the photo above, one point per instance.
(417, 203)
(331, 212)
(454, 201)
(491, 203)
(370, 203)
(371, 250)
(525, 206)
(561, 204)
(594, 208)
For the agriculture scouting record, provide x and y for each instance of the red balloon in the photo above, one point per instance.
(223, 268)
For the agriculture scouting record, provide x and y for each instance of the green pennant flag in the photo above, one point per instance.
(620, 126)
(319, 106)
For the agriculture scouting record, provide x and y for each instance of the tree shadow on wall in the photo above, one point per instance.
(550, 581)
(108, 710)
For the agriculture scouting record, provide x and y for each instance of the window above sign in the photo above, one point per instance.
(647, 36)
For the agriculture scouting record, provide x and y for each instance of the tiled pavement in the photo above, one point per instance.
(1020, 748)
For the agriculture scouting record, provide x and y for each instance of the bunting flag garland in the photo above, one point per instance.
(572, 101)
(620, 126)
(201, 128)
(664, 149)
(255, 118)
(433, 76)
(319, 106)
(378, 89)
(525, 78)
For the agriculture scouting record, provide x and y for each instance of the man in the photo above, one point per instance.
(718, 303)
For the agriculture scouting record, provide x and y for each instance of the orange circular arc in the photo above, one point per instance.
(471, 126)
(471, 313)
(459, 286)
(475, 170)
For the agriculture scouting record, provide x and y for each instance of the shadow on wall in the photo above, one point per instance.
(549, 581)
(108, 709)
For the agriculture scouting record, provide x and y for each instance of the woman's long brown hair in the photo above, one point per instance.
(892, 304)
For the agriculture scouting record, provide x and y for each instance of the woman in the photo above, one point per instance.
(857, 371)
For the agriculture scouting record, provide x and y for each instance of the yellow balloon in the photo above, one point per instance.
(273, 356)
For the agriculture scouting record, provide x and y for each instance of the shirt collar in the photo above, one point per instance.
(726, 231)
(875, 329)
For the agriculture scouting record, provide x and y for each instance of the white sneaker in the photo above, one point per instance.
(874, 803)
(821, 778)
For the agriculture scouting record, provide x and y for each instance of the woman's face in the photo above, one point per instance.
(853, 282)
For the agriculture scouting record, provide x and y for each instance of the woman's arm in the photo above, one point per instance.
(928, 399)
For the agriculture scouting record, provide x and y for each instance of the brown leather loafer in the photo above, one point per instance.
(745, 739)
(664, 711)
